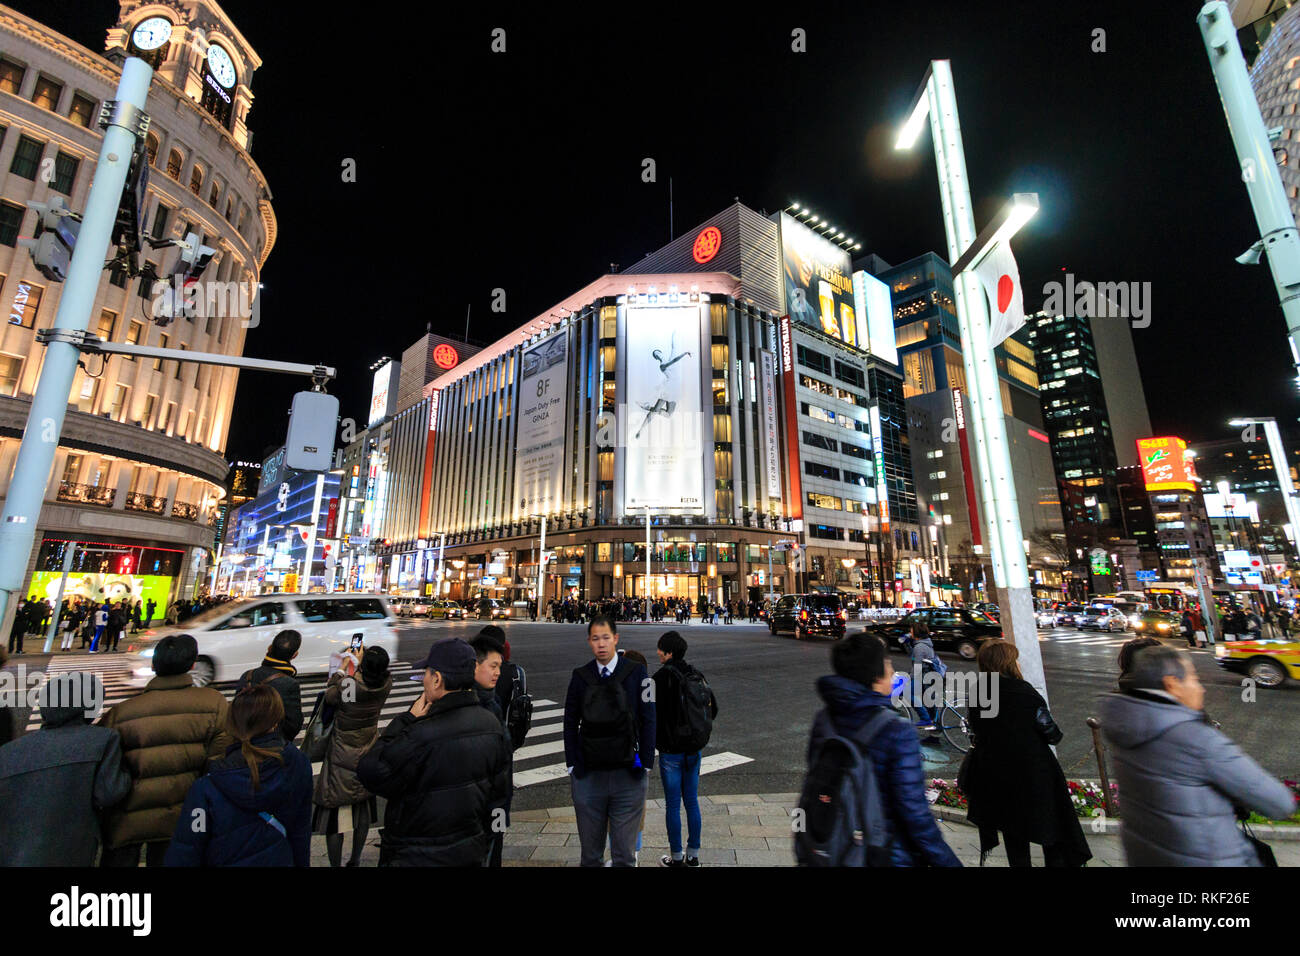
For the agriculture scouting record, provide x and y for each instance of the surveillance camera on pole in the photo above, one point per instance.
(52, 243)
(194, 257)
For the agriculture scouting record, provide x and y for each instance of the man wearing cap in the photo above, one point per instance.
(442, 766)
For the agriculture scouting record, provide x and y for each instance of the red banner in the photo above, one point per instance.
(967, 472)
(332, 517)
(795, 506)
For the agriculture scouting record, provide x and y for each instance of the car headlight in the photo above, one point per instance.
(147, 652)
(1162, 627)
(1220, 650)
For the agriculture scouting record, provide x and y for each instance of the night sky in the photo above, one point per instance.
(523, 170)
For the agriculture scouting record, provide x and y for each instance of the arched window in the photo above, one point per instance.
(212, 196)
(174, 163)
(196, 179)
(151, 146)
(230, 208)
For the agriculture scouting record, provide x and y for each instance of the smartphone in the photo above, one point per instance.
(356, 642)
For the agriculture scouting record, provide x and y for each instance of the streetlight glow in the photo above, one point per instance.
(911, 131)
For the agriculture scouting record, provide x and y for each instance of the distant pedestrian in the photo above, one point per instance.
(19, 629)
(135, 618)
(342, 803)
(1181, 780)
(169, 733)
(1012, 780)
(442, 765)
(858, 707)
(685, 709)
(255, 802)
(609, 741)
(277, 670)
(101, 625)
(921, 649)
(55, 782)
(150, 605)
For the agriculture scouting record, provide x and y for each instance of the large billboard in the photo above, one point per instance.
(1165, 465)
(539, 445)
(383, 392)
(105, 587)
(875, 317)
(817, 281)
(664, 466)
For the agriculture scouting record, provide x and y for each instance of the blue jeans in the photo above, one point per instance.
(680, 774)
(924, 714)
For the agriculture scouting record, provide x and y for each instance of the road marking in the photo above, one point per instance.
(551, 772)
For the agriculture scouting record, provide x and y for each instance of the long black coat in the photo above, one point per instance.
(1014, 783)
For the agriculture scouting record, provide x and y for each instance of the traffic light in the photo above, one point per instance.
(55, 237)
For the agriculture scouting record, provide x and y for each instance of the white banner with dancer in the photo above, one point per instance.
(665, 451)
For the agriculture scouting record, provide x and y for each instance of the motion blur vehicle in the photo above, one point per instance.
(446, 610)
(1067, 615)
(490, 609)
(1102, 617)
(411, 607)
(809, 614)
(1045, 613)
(233, 637)
(1155, 623)
(951, 629)
(1268, 663)
(991, 610)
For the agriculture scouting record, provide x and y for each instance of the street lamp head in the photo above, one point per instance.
(911, 131)
(1008, 221)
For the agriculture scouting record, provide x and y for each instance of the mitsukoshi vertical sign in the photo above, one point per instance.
(539, 445)
(664, 467)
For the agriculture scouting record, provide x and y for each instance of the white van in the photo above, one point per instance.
(233, 637)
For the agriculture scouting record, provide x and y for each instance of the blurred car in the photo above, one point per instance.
(1268, 663)
(991, 610)
(1155, 623)
(808, 614)
(491, 609)
(951, 629)
(446, 610)
(1068, 615)
(411, 607)
(1102, 617)
(1046, 617)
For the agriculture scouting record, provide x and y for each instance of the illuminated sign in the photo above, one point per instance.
(875, 317)
(878, 449)
(791, 410)
(444, 356)
(1165, 466)
(818, 285)
(379, 394)
(707, 244)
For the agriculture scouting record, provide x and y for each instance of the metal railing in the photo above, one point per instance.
(138, 502)
(186, 511)
(85, 494)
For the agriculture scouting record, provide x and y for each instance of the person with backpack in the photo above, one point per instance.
(609, 744)
(864, 772)
(255, 803)
(512, 694)
(1011, 778)
(924, 661)
(685, 709)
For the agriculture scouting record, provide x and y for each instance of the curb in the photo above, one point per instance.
(1111, 826)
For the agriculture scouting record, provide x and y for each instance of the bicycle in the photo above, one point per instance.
(952, 720)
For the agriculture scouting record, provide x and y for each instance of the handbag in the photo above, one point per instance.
(1262, 849)
(964, 772)
(316, 738)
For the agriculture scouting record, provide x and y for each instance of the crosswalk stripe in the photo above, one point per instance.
(710, 764)
(540, 750)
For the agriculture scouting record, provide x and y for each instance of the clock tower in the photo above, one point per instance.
(196, 48)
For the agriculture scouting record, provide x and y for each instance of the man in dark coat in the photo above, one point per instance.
(277, 670)
(19, 629)
(54, 782)
(442, 766)
(853, 695)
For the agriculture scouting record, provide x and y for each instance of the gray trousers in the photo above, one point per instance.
(613, 802)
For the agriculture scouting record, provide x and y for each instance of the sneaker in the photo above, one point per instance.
(926, 727)
(692, 861)
(669, 861)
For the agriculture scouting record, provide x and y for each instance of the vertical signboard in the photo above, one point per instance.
(968, 473)
(818, 283)
(331, 518)
(539, 447)
(875, 317)
(794, 462)
(1165, 466)
(771, 439)
(665, 455)
(882, 487)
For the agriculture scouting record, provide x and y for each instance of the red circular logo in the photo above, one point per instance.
(707, 244)
(444, 356)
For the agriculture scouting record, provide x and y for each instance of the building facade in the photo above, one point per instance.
(140, 465)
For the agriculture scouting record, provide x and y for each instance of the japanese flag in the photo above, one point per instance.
(1001, 280)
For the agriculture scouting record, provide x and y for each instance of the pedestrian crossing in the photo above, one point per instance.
(1087, 638)
(539, 760)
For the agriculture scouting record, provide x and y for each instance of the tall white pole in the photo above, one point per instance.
(997, 485)
(58, 603)
(541, 570)
(647, 563)
(1277, 451)
(26, 493)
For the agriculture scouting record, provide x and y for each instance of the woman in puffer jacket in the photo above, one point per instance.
(342, 803)
(253, 807)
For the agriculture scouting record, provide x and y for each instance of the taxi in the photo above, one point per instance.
(1268, 663)
(447, 610)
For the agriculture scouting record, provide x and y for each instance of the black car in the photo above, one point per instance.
(951, 629)
(808, 614)
(1069, 615)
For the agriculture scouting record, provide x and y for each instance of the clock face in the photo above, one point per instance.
(152, 33)
(221, 66)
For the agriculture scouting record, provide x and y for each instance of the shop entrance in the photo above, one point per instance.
(665, 586)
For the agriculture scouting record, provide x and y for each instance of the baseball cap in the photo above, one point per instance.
(454, 660)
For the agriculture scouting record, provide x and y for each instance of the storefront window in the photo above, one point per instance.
(726, 553)
(603, 549)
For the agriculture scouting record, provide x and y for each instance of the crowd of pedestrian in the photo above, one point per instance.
(680, 610)
(101, 625)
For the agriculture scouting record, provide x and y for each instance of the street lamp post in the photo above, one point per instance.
(937, 100)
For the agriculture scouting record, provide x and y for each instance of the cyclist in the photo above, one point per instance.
(921, 649)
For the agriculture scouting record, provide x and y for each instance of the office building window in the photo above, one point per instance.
(818, 470)
(829, 502)
(117, 276)
(11, 368)
(149, 403)
(27, 158)
(174, 163)
(826, 532)
(11, 76)
(196, 179)
(47, 93)
(82, 111)
(819, 441)
(107, 324)
(65, 172)
(118, 408)
(11, 221)
(853, 451)
(26, 303)
(159, 226)
(162, 344)
(813, 359)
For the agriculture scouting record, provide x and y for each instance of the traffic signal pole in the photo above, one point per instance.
(31, 475)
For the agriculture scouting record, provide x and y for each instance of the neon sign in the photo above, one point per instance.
(707, 244)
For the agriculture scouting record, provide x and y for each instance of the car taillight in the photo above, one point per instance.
(844, 615)
(803, 615)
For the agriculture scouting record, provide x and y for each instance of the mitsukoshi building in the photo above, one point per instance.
(722, 385)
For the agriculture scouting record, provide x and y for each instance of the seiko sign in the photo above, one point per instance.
(207, 77)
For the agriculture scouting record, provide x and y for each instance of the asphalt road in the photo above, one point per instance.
(767, 700)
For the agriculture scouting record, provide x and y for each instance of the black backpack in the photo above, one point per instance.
(608, 725)
(843, 818)
(696, 708)
(519, 712)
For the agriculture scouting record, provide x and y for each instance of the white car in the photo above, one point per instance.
(413, 607)
(234, 637)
